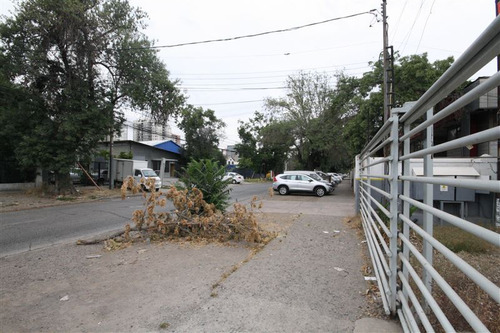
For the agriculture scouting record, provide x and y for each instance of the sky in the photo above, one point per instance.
(233, 78)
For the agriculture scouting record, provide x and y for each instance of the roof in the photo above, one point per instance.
(448, 171)
(167, 145)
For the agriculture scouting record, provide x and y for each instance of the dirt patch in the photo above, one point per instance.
(86, 288)
(20, 200)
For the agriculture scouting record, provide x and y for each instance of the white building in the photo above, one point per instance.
(147, 130)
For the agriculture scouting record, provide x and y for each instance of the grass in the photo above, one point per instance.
(257, 180)
(458, 240)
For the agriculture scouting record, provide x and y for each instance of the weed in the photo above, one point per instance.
(164, 326)
(65, 198)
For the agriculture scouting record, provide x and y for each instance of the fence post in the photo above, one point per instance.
(428, 223)
(393, 260)
(356, 176)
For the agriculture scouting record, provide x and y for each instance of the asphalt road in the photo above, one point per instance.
(38, 228)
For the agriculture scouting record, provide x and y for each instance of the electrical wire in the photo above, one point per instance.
(371, 12)
(425, 26)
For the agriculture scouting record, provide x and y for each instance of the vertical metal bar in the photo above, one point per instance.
(357, 180)
(406, 205)
(428, 224)
(393, 262)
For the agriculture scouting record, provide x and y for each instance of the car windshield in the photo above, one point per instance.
(315, 176)
(149, 173)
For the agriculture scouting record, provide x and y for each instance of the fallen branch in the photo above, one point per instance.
(103, 237)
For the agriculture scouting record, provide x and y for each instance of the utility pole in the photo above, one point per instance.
(386, 60)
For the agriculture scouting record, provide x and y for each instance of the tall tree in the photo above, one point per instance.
(202, 130)
(307, 98)
(83, 60)
(265, 143)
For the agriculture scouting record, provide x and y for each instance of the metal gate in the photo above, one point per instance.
(404, 269)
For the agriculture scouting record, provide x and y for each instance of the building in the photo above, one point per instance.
(231, 156)
(147, 130)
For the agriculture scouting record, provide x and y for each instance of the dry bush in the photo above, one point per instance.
(483, 256)
(192, 217)
(485, 308)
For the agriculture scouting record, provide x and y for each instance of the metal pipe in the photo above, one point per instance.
(476, 184)
(382, 208)
(381, 223)
(402, 320)
(383, 130)
(381, 281)
(456, 73)
(377, 176)
(379, 161)
(379, 236)
(489, 287)
(384, 193)
(440, 316)
(465, 225)
(466, 312)
(469, 97)
(380, 146)
(416, 304)
(486, 135)
(407, 312)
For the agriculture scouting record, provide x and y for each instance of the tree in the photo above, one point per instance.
(202, 130)
(307, 98)
(265, 143)
(82, 60)
(414, 74)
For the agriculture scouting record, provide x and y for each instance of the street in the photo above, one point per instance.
(38, 228)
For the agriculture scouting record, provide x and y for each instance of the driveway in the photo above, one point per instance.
(308, 279)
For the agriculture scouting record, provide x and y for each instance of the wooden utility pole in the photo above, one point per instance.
(386, 61)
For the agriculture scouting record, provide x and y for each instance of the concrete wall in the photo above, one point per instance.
(16, 186)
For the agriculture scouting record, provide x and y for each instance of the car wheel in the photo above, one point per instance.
(234, 181)
(320, 191)
(283, 190)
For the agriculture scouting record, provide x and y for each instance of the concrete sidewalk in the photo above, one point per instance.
(308, 280)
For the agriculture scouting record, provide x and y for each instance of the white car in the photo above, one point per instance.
(235, 178)
(300, 182)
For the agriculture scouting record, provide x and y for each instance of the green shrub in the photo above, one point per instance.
(206, 175)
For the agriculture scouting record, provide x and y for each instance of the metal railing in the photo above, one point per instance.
(401, 250)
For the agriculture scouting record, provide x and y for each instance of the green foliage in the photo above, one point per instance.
(265, 143)
(126, 155)
(202, 130)
(413, 76)
(206, 175)
(73, 63)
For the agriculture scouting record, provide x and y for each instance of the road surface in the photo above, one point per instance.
(38, 228)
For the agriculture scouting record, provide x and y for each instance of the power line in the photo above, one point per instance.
(425, 26)
(372, 12)
(265, 72)
(226, 103)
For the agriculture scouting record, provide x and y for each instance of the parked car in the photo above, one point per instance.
(317, 175)
(300, 182)
(235, 178)
(336, 177)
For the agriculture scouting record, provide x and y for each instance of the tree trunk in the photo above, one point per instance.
(64, 185)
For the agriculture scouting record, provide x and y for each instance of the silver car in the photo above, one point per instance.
(298, 182)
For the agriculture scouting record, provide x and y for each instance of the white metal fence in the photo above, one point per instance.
(401, 250)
